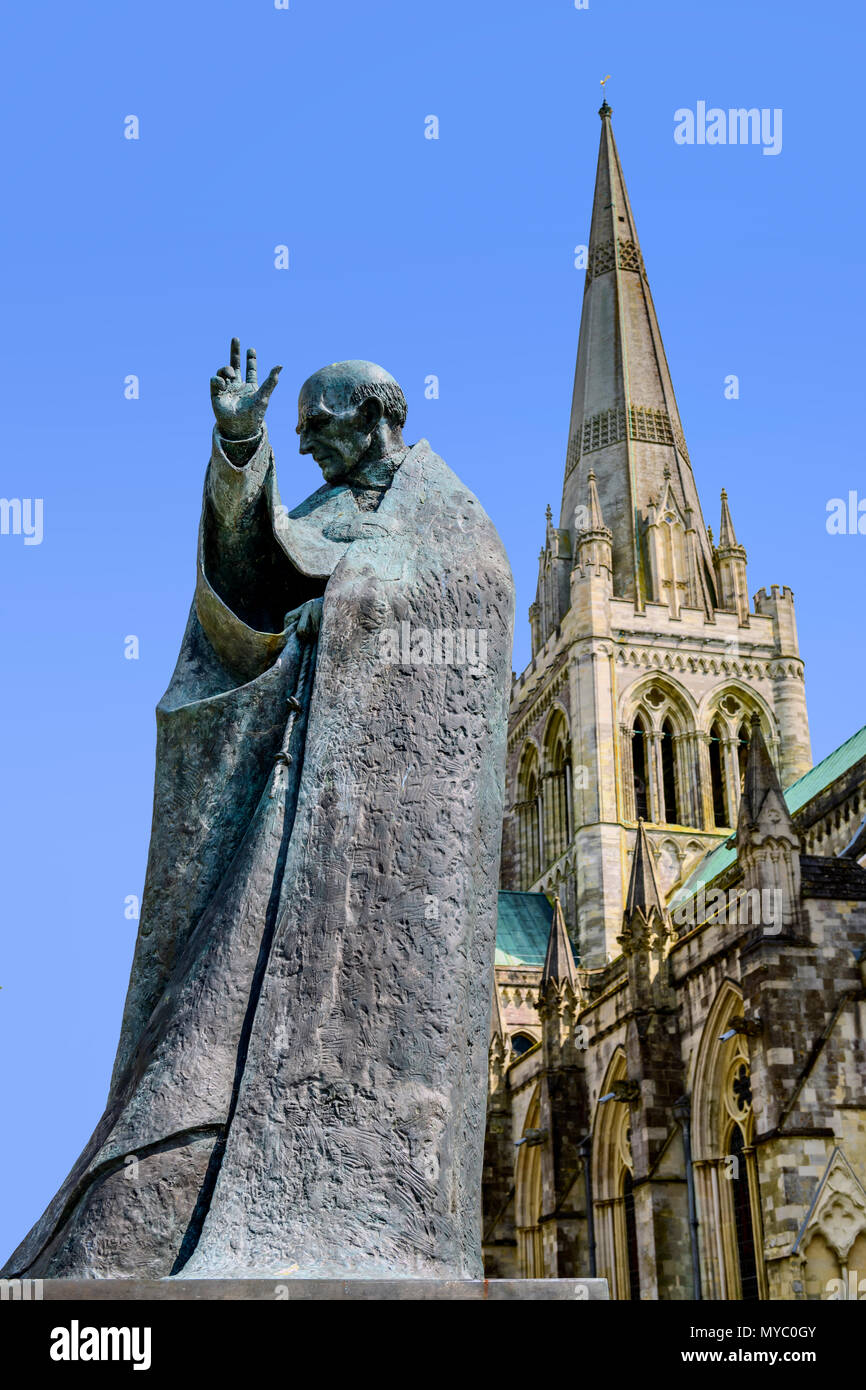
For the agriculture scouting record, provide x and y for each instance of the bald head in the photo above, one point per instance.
(350, 414)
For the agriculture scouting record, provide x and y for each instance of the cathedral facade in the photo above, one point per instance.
(678, 1039)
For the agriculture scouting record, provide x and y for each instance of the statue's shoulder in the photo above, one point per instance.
(315, 501)
(457, 506)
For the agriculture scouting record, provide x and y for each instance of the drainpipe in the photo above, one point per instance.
(585, 1151)
(682, 1113)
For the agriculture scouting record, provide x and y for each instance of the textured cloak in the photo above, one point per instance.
(301, 1076)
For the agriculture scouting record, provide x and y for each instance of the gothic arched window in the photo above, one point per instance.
(639, 764)
(528, 813)
(631, 1236)
(717, 777)
(743, 1218)
(527, 1201)
(557, 789)
(669, 776)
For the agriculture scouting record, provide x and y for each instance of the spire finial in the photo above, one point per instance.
(604, 109)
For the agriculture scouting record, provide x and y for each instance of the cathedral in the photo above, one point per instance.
(678, 1031)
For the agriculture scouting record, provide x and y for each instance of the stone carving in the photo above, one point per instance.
(301, 1075)
(601, 259)
(643, 422)
(839, 1209)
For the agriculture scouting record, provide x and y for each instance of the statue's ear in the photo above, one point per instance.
(370, 412)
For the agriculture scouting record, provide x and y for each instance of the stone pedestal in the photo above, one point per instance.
(310, 1290)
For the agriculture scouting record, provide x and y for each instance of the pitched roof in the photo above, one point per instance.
(523, 929)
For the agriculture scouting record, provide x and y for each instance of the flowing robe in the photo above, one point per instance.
(300, 1081)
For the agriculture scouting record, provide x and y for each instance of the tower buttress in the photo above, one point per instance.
(789, 690)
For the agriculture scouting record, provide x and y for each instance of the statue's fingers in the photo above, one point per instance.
(235, 354)
(252, 369)
(217, 386)
(267, 386)
(227, 373)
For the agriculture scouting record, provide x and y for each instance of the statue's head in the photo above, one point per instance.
(350, 414)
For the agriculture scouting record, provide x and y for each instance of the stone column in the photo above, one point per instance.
(731, 771)
(626, 734)
(706, 816)
(655, 781)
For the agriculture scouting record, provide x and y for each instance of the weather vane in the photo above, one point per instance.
(603, 92)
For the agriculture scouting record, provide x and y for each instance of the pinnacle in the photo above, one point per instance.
(497, 1017)
(643, 889)
(761, 776)
(595, 518)
(727, 535)
(559, 961)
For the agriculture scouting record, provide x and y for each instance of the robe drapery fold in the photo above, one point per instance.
(301, 1075)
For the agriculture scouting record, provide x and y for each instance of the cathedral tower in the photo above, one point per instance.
(649, 663)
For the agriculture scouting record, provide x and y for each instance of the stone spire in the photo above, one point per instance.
(559, 961)
(498, 1027)
(730, 562)
(624, 419)
(644, 896)
(594, 517)
(593, 539)
(558, 995)
(727, 534)
(768, 846)
(498, 1049)
(645, 928)
(760, 782)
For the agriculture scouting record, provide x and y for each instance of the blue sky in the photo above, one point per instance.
(452, 257)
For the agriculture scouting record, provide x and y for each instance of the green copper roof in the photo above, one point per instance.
(826, 771)
(798, 794)
(523, 929)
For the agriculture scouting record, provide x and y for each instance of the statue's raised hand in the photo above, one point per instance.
(239, 406)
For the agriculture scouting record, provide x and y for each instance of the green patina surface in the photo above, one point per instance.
(523, 929)
(797, 795)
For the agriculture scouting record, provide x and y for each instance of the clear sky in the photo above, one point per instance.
(453, 257)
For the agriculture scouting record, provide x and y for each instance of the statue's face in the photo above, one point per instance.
(335, 432)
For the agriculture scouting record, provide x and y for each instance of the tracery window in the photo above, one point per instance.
(558, 828)
(717, 777)
(528, 813)
(669, 775)
(639, 764)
